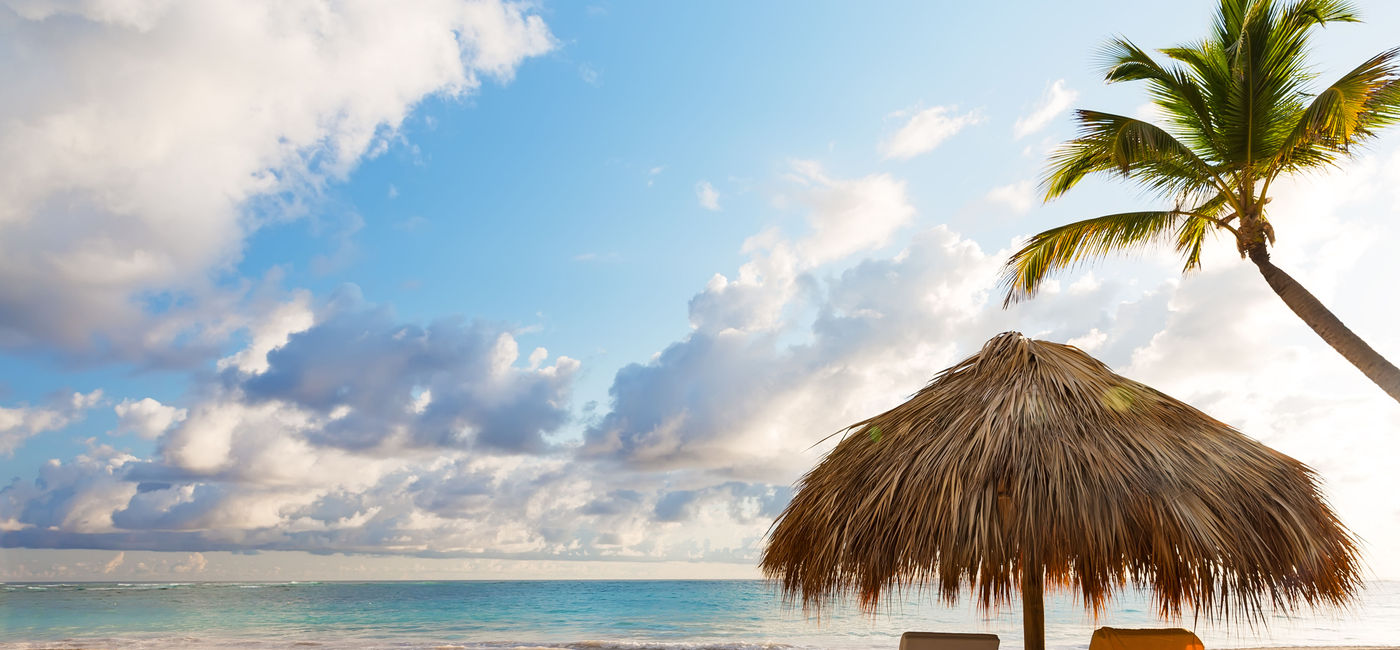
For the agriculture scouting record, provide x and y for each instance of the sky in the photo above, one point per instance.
(363, 290)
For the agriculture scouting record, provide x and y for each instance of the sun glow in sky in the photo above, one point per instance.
(456, 289)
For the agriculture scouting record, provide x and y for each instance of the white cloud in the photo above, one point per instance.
(925, 130)
(114, 563)
(354, 376)
(707, 195)
(780, 355)
(1090, 341)
(588, 74)
(843, 216)
(1150, 112)
(735, 400)
(194, 563)
(147, 132)
(848, 216)
(270, 332)
(354, 432)
(20, 423)
(75, 496)
(1057, 99)
(147, 417)
(1019, 197)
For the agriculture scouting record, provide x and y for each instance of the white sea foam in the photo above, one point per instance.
(197, 643)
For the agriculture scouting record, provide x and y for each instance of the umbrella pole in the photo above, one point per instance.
(1033, 606)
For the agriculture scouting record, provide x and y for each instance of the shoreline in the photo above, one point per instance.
(368, 644)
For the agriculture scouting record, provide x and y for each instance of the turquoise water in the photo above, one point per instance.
(675, 615)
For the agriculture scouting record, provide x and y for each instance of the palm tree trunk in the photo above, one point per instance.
(1327, 325)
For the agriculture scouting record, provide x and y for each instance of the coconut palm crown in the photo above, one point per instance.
(1239, 112)
(1030, 465)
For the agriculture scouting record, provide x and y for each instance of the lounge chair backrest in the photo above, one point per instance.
(1108, 638)
(947, 641)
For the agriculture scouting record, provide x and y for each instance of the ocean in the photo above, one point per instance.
(597, 615)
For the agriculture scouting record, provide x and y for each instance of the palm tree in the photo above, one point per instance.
(1238, 115)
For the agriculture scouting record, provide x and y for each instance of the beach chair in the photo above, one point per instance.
(1108, 638)
(947, 641)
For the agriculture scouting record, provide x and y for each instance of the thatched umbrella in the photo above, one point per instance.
(1031, 464)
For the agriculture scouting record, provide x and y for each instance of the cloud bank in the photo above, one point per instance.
(362, 433)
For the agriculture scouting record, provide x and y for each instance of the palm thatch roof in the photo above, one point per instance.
(1032, 457)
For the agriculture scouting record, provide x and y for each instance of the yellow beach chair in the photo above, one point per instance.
(1108, 638)
(947, 641)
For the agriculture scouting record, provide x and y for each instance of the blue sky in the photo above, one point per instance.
(326, 241)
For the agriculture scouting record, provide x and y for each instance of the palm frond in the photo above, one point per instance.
(1230, 18)
(1253, 72)
(1307, 13)
(1130, 148)
(1068, 245)
(1190, 238)
(1171, 87)
(1349, 111)
(1191, 234)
